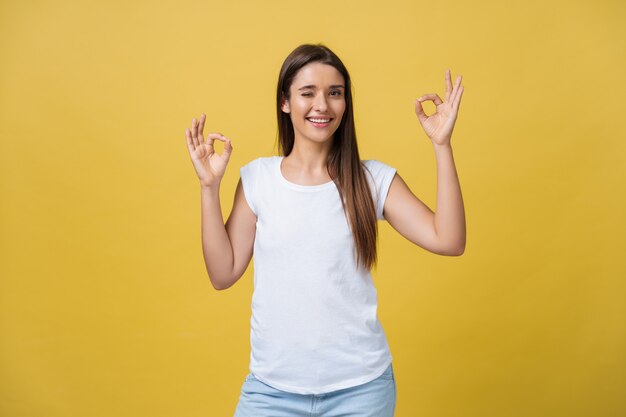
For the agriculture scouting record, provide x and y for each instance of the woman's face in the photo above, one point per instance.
(316, 103)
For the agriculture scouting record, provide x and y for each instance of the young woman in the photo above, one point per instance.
(310, 217)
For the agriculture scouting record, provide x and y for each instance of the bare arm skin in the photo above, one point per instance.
(227, 248)
(241, 229)
(442, 232)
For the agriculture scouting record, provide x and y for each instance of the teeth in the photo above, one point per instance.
(320, 120)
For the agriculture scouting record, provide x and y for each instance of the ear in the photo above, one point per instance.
(284, 105)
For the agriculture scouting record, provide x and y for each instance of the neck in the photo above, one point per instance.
(309, 157)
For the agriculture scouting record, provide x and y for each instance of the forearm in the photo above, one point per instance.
(216, 246)
(450, 213)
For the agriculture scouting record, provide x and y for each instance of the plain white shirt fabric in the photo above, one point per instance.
(314, 327)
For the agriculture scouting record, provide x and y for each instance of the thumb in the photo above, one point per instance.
(419, 110)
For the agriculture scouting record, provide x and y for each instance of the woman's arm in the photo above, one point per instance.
(450, 214)
(216, 247)
(442, 232)
(227, 248)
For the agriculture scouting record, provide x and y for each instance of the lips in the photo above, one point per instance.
(320, 121)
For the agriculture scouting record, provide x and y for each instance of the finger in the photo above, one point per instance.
(228, 146)
(190, 144)
(228, 149)
(194, 140)
(194, 131)
(457, 100)
(214, 135)
(201, 127)
(419, 110)
(455, 90)
(448, 85)
(431, 97)
(210, 139)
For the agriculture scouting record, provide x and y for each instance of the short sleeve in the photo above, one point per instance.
(248, 175)
(381, 178)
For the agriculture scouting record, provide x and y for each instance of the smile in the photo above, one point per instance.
(319, 122)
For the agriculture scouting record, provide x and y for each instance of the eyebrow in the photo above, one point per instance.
(312, 86)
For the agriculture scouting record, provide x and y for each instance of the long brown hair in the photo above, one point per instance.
(343, 163)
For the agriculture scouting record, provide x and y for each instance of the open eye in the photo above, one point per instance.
(335, 93)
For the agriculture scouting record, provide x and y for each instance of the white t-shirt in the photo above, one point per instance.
(314, 327)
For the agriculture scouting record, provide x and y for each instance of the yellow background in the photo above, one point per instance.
(105, 305)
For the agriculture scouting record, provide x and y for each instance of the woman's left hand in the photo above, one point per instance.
(439, 125)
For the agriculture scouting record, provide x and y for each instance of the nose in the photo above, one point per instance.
(320, 102)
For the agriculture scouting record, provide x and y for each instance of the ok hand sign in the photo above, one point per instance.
(439, 125)
(209, 166)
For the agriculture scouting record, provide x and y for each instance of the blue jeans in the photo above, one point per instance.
(376, 398)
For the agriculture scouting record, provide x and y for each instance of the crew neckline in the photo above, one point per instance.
(299, 187)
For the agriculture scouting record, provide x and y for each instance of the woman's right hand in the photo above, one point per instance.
(209, 166)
